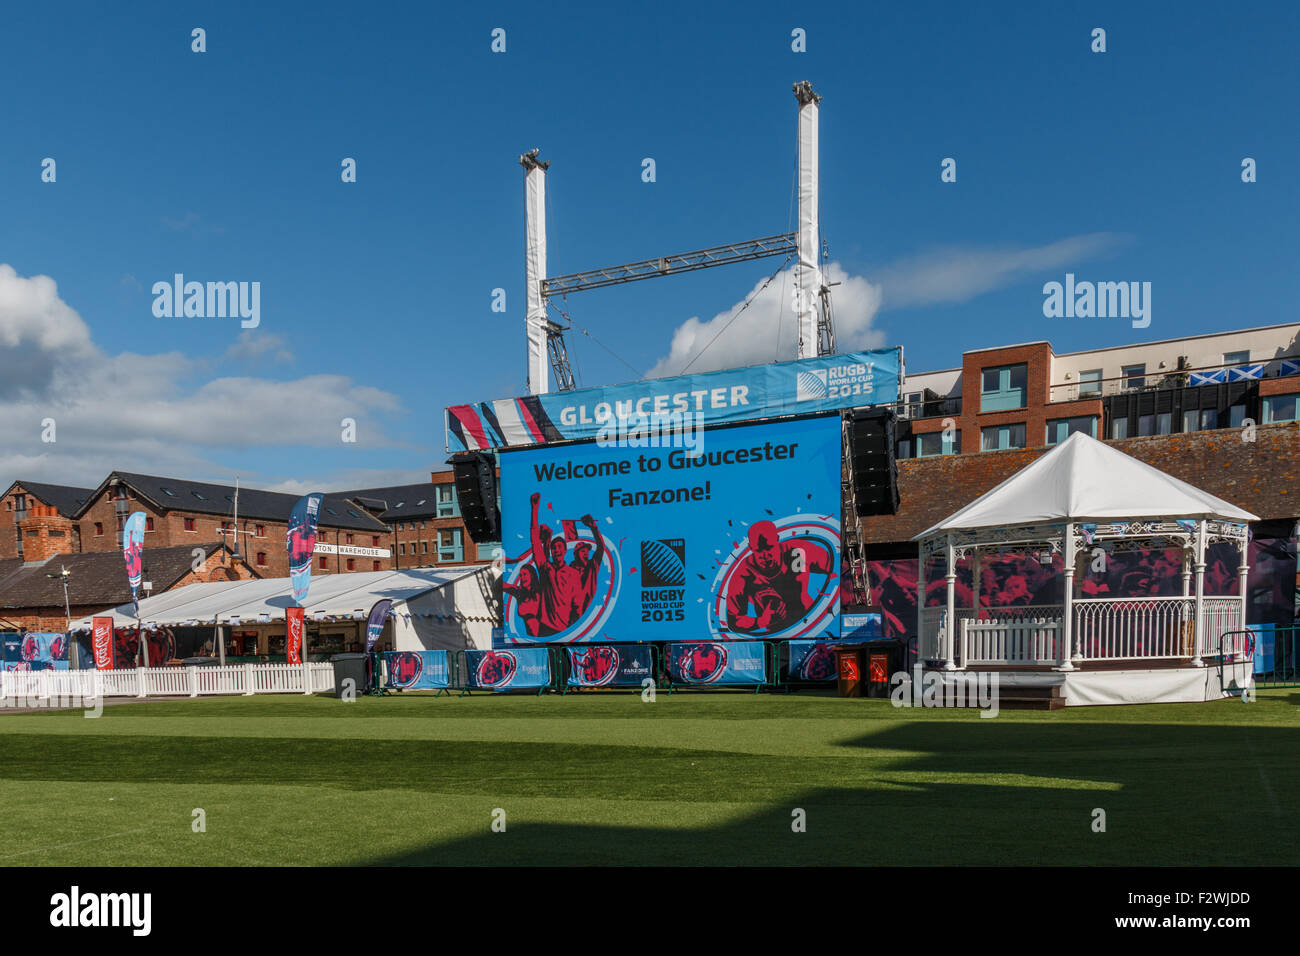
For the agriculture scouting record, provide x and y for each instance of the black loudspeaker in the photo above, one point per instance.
(875, 473)
(476, 490)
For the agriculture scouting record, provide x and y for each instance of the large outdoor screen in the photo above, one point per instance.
(729, 533)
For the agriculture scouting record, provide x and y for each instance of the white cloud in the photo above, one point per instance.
(149, 413)
(252, 346)
(765, 331)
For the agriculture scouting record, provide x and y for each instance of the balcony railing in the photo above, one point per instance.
(935, 408)
(1173, 378)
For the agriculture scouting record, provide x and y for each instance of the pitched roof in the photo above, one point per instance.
(1084, 479)
(399, 502)
(68, 499)
(96, 578)
(179, 494)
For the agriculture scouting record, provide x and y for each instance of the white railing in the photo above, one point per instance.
(166, 682)
(1134, 628)
(1219, 615)
(999, 640)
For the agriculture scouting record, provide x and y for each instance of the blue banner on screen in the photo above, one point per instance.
(513, 669)
(604, 665)
(825, 383)
(861, 627)
(717, 662)
(35, 652)
(300, 541)
(813, 660)
(627, 543)
(417, 670)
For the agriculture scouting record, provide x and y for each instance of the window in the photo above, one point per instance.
(167, 491)
(1146, 425)
(99, 529)
(351, 564)
(119, 522)
(1119, 428)
(374, 541)
(1280, 408)
(347, 539)
(448, 507)
(1191, 420)
(1164, 422)
(199, 496)
(376, 565)
(259, 530)
(1236, 358)
(1003, 388)
(1236, 416)
(324, 562)
(1134, 376)
(424, 547)
(1059, 429)
(401, 548)
(261, 559)
(1209, 418)
(189, 524)
(905, 448)
(935, 443)
(148, 523)
(1090, 383)
(998, 437)
(450, 545)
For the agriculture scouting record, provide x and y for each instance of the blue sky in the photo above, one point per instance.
(376, 295)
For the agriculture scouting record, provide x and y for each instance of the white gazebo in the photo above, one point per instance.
(1080, 497)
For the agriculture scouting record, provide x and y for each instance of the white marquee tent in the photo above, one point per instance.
(446, 607)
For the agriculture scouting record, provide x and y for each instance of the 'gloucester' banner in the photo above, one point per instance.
(417, 670)
(507, 670)
(737, 662)
(606, 665)
(620, 544)
(301, 543)
(824, 383)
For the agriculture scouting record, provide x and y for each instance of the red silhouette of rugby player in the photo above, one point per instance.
(769, 591)
(560, 586)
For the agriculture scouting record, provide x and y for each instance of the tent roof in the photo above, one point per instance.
(333, 594)
(1083, 479)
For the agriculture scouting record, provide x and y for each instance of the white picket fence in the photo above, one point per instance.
(246, 679)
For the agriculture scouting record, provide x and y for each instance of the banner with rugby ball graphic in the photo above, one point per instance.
(731, 533)
(417, 670)
(516, 669)
(715, 662)
(605, 665)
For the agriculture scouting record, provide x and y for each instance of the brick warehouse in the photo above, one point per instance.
(373, 529)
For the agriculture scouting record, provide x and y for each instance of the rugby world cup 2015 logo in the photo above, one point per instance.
(811, 385)
(702, 663)
(596, 666)
(496, 669)
(405, 668)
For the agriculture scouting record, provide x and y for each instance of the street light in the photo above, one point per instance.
(64, 573)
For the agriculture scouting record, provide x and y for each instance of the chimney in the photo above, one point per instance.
(45, 533)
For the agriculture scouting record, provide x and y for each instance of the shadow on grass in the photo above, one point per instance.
(914, 792)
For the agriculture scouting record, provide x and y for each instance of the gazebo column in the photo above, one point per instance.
(922, 558)
(1187, 570)
(975, 582)
(1244, 549)
(951, 629)
(1198, 634)
(1067, 616)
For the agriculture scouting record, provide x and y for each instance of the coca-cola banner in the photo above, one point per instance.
(293, 646)
(103, 642)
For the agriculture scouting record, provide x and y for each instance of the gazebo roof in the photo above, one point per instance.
(1083, 479)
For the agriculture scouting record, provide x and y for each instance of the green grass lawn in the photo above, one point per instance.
(708, 778)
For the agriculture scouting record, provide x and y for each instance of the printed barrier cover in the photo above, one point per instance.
(813, 660)
(735, 539)
(609, 665)
(717, 662)
(518, 668)
(35, 652)
(824, 383)
(418, 670)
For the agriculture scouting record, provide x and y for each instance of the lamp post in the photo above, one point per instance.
(64, 573)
